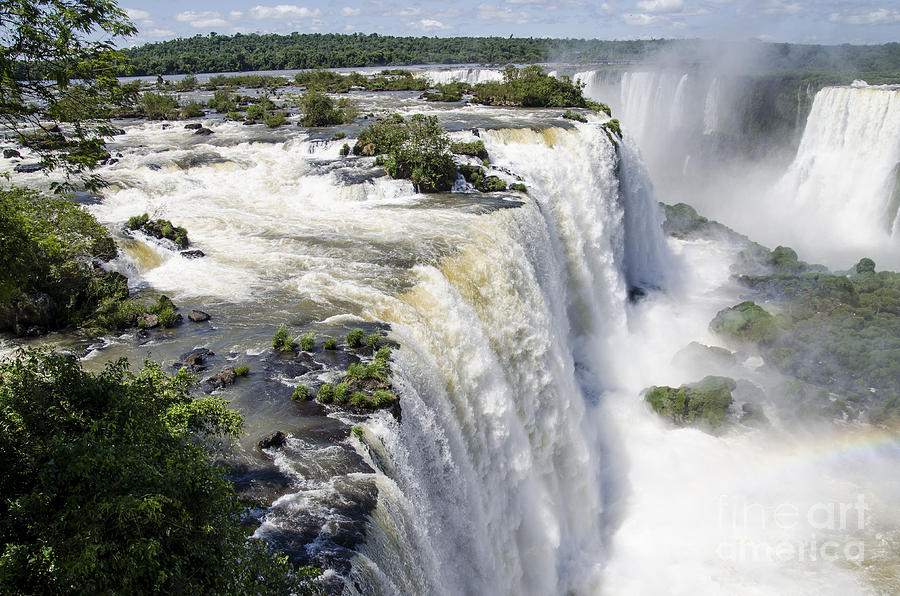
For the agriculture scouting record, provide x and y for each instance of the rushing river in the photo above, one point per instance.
(525, 460)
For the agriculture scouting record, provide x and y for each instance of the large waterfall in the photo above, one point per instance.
(844, 180)
(493, 481)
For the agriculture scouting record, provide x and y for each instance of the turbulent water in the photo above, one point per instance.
(525, 460)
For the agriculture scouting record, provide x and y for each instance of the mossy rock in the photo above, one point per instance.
(746, 322)
(703, 404)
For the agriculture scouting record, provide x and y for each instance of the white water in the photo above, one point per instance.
(471, 76)
(841, 184)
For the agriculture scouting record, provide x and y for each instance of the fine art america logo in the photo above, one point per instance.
(791, 533)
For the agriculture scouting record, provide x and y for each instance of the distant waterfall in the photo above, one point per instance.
(472, 76)
(492, 482)
(844, 179)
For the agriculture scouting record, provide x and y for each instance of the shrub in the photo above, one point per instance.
(188, 83)
(242, 371)
(307, 341)
(158, 106)
(359, 399)
(383, 398)
(704, 403)
(274, 120)
(383, 354)
(475, 175)
(357, 431)
(282, 340)
(160, 229)
(222, 101)
(109, 481)
(236, 116)
(341, 393)
(573, 115)
(747, 322)
(345, 150)
(330, 344)
(255, 112)
(372, 340)
(325, 394)
(301, 393)
(338, 135)
(191, 110)
(531, 87)
(355, 338)
(518, 186)
(356, 371)
(475, 149)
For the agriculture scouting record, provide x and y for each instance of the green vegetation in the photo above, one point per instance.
(449, 92)
(704, 404)
(355, 338)
(518, 186)
(357, 431)
(531, 87)
(330, 344)
(613, 131)
(320, 110)
(415, 149)
(109, 486)
(475, 175)
(249, 81)
(51, 251)
(573, 115)
(746, 322)
(222, 101)
(160, 229)
(301, 393)
(475, 149)
(191, 110)
(325, 394)
(158, 106)
(188, 83)
(275, 119)
(307, 341)
(372, 340)
(364, 387)
(282, 340)
(242, 371)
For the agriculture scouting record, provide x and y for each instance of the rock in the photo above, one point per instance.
(11, 153)
(148, 321)
(195, 360)
(475, 132)
(249, 122)
(202, 131)
(154, 166)
(753, 415)
(704, 404)
(28, 168)
(275, 439)
(745, 322)
(32, 314)
(193, 126)
(223, 379)
(117, 132)
(192, 254)
(369, 149)
(166, 126)
(198, 316)
(54, 130)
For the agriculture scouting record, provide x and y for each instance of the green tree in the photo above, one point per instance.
(46, 45)
(109, 487)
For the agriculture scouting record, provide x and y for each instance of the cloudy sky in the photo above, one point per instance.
(811, 21)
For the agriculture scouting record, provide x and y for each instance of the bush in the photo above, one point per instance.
(109, 485)
(191, 110)
(475, 176)
(222, 101)
(372, 340)
(307, 341)
(745, 322)
(704, 403)
(475, 149)
(188, 83)
(530, 87)
(275, 119)
(355, 338)
(242, 371)
(255, 112)
(325, 394)
(282, 340)
(158, 106)
(236, 116)
(383, 354)
(320, 110)
(345, 150)
(383, 398)
(301, 393)
(341, 393)
(357, 431)
(330, 344)
(518, 186)
(573, 115)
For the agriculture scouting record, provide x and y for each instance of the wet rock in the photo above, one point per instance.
(28, 168)
(203, 131)
(117, 132)
(249, 122)
(196, 360)
(192, 254)
(154, 166)
(369, 149)
(193, 126)
(198, 316)
(11, 153)
(166, 126)
(275, 439)
(148, 321)
(223, 379)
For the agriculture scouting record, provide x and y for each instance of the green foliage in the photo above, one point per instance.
(301, 393)
(613, 131)
(372, 340)
(355, 338)
(865, 265)
(222, 101)
(531, 87)
(158, 106)
(307, 341)
(242, 371)
(703, 404)
(745, 322)
(255, 112)
(325, 394)
(236, 116)
(249, 81)
(192, 110)
(282, 340)
(573, 115)
(109, 486)
(416, 149)
(188, 83)
(320, 110)
(357, 431)
(449, 92)
(475, 149)
(518, 186)
(159, 228)
(383, 354)
(275, 119)
(345, 150)
(341, 393)
(475, 175)
(330, 344)
(51, 251)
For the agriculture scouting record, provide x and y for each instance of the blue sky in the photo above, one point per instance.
(829, 21)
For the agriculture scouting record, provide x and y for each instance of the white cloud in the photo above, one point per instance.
(157, 33)
(403, 12)
(428, 25)
(234, 15)
(879, 16)
(782, 7)
(136, 14)
(489, 12)
(202, 20)
(641, 19)
(661, 5)
(349, 12)
(525, 1)
(282, 11)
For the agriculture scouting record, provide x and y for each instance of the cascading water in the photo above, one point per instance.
(472, 76)
(845, 175)
(493, 480)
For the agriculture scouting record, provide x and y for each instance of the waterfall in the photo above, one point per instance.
(472, 76)
(711, 108)
(492, 482)
(843, 181)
